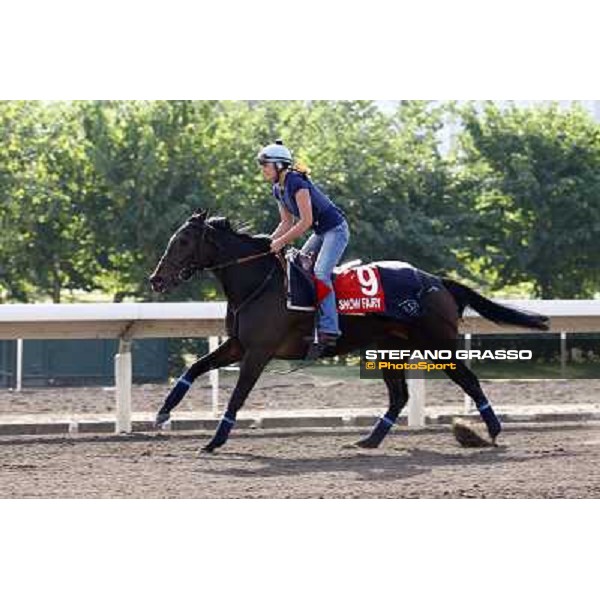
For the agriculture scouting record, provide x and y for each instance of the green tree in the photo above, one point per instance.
(534, 184)
(46, 240)
(90, 192)
(388, 174)
(148, 160)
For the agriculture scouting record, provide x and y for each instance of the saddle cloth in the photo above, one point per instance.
(390, 288)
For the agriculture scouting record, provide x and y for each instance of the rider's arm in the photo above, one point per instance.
(303, 223)
(286, 220)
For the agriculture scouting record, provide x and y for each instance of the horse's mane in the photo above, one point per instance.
(261, 241)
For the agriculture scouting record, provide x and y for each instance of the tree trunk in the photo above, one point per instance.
(56, 286)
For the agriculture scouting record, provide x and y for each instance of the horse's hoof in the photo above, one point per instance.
(161, 419)
(367, 443)
(469, 435)
(208, 449)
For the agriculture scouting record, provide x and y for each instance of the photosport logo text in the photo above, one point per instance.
(374, 362)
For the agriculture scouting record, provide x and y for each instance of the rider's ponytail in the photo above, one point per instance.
(301, 168)
(298, 167)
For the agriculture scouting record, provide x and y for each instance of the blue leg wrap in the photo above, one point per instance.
(489, 417)
(223, 430)
(178, 391)
(384, 424)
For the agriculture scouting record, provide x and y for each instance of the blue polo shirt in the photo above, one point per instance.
(326, 215)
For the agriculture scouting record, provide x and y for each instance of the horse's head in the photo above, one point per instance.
(188, 250)
(202, 243)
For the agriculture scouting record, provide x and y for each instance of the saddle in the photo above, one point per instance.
(389, 288)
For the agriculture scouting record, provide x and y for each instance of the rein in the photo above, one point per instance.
(238, 261)
(235, 261)
(257, 292)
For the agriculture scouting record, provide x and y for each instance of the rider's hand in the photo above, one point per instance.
(277, 245)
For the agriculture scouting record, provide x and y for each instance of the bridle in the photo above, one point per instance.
(184, 273)
(235, 311)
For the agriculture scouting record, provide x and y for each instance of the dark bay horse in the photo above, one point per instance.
(260, 326)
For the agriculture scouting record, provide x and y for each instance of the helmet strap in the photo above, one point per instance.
(281, 175)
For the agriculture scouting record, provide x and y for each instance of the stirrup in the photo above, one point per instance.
(315, 350)
(318, 347)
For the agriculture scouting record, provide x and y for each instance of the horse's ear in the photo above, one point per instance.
(200, 214)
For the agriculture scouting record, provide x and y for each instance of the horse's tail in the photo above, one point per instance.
(494, 311)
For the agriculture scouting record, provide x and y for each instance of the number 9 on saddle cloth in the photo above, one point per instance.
(390, 288)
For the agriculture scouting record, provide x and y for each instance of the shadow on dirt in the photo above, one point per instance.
(388, 463)
(367, 467)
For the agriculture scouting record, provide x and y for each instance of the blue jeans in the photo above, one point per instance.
(330, 246)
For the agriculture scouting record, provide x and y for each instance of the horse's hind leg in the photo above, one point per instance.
(398, 397)
(227, 353)
(468, 381)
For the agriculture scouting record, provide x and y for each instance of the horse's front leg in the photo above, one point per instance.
(227, 353)
(251, 366)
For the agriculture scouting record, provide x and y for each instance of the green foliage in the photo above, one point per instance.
(90, 192)
(46, 241)
(534, 185)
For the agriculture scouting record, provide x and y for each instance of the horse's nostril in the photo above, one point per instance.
(156, 282)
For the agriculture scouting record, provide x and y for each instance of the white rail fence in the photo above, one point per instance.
(206, 319)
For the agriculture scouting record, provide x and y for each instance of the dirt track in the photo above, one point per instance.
(538, 463)
(331, 389)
